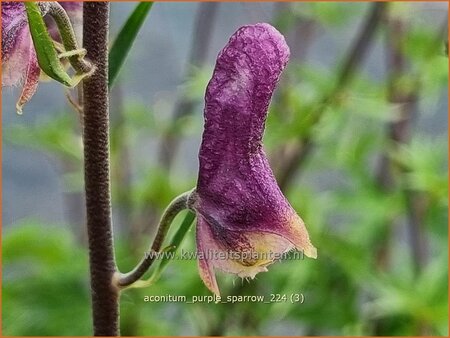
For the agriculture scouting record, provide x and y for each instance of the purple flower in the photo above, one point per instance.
(243, 219)
(19, 61)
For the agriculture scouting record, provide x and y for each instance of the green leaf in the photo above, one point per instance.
(194, 87)
(38, 283)
(56, 136)
(333, 14)
(125, 39)
(43, 44)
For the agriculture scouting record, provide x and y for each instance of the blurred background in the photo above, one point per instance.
(357, 137)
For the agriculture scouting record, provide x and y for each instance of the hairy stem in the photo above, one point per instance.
(178, 204)
(105, 297)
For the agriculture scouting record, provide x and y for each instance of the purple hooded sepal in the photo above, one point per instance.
(239, 205)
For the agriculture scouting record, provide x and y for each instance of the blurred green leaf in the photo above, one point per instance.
(334, 14)
(45, 281)
(57, 136)
(426, 164)
(124, 40)
(194, 87)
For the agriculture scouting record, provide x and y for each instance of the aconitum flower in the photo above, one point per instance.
(243, 219)
(19, 61)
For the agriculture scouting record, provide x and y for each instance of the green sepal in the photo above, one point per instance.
(47, 56)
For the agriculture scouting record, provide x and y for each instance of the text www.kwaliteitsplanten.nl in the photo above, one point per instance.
(225, 255)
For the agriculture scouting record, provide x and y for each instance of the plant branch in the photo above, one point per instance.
(353, 60)
(184, 106)
(399, 133)
(300, 38)
(105, 297)
(178, 204)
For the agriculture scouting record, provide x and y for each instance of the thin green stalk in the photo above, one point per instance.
(57, 12)
(178, 204)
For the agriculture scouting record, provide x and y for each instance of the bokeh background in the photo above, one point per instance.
(357, 137)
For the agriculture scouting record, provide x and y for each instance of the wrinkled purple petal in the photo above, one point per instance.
(31, 81)
(19, 62)
(240, 204)
(205, 241)
(16, 42)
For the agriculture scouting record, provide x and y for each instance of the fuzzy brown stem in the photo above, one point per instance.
(105, 298)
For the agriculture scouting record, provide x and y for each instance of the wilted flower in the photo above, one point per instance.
(19, 61)
(243, 219)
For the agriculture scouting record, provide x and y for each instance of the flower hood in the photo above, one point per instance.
(242, 215)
